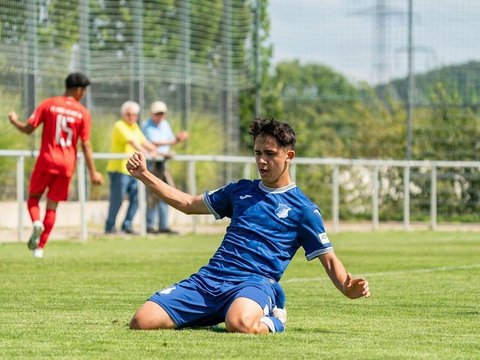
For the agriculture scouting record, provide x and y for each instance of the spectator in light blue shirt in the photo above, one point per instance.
(158, 131)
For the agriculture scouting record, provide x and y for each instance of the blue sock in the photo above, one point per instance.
(280, 298)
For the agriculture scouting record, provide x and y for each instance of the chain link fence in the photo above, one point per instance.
(412, 69)
(194, 55)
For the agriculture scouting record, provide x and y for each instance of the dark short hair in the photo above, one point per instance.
(75, 80)
(282, 132)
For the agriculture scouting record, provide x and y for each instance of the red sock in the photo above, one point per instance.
(33, 208)
(48, 222)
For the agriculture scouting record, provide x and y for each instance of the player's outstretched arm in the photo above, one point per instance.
(352, 288)
(186, 203)
(24, 127)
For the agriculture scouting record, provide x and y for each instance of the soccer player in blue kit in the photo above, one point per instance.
(270, 219)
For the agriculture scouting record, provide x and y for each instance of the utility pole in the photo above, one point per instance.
(31, 56)
(85, 45)
(138, 68)
(258, 70)
(410, 89)
(381, 14)
(187, 88)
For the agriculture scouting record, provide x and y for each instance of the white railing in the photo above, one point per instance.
(191, 161)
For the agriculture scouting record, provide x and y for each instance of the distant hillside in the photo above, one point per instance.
(462, 80)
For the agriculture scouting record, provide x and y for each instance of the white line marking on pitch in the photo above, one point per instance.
(394, 273)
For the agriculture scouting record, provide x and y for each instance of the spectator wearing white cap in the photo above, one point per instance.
(158, 131)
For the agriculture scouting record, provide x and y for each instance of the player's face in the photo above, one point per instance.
(272, 161)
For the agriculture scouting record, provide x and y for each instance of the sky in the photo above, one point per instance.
(343, 34)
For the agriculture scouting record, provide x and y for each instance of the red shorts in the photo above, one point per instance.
(57, 185)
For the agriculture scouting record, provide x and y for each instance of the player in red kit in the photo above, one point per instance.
(64, 120)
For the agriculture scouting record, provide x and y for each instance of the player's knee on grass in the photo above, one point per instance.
(150, 317)
(245, 324)
(244, 316)
(142, 322)
(244, 319)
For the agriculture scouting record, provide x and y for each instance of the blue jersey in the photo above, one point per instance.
(266, 229)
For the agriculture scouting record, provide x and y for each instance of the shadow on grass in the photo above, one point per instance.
(220, 328)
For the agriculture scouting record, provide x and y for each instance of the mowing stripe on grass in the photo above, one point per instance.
(391, 273)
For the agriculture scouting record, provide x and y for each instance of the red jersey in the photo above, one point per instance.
(64, 121)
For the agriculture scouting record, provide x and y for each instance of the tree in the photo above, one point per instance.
(334, 117)
(270, 92)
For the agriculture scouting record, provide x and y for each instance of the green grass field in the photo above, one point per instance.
(77, 301)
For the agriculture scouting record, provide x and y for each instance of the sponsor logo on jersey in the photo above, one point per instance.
(324, 238)
(282, 211)
(242, 197)
(63, 111)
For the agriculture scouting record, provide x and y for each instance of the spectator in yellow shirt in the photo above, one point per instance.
(127, 138)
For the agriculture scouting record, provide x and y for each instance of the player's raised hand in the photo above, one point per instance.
(137, 164)
(355, 287)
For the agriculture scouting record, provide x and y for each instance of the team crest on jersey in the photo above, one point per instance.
(324, 238)
(282, 211)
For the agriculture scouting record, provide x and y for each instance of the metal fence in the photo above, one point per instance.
(194, 55)
(338, 185)
(198, 56)
(421, 55)
(419, 59)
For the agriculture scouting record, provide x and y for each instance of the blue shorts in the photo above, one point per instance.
(204, 301)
